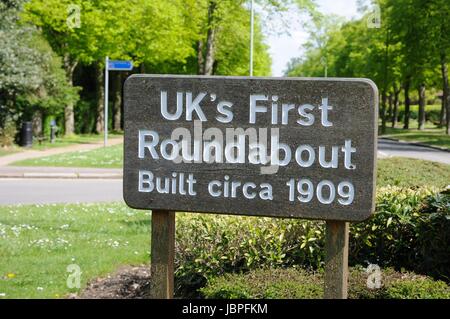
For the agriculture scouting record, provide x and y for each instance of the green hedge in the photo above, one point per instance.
(300, 284)
(410, 229)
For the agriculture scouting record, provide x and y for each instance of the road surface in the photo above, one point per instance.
(44, 190)
(389, 148)
(50, 190)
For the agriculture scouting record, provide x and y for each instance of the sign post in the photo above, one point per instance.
(162, 254)
(112, 65)
(336, 260)
(276, 147)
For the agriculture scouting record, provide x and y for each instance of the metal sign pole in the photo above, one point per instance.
(252, 14)
(106, 100)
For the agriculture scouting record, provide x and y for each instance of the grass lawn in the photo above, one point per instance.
(430, 136)
(109, 157)
(407, 172)
(59, 142)
(38, 242)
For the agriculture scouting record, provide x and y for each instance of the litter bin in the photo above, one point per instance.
(26, 135)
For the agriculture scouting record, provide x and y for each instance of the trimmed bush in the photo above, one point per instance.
(265, 284)
(211, 245)
(300, 284)
(8, 133)
(410, 229)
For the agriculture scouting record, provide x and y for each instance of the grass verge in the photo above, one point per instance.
(429, 136)
(109, 157)
(39, 242)
(59, 142)
(406, 172)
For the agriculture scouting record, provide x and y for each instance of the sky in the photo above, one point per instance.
(286, 46)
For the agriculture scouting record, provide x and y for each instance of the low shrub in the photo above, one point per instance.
(301, 284)
(211, 245)
(265, 284)
(8, 133)
(410, 229)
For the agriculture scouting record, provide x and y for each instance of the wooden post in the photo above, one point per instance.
(163, 254)
(336, 260)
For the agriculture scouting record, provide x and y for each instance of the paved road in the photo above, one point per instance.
(40, 191)
(388, 148)
(44, 190)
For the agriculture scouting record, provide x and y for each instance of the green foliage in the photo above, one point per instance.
(293, 283)
(84, 117)
(265, 284)
(55, 91)
(7, 133)
(19, 70)
(422, 288)
(410, 229)
(105, 29)
(232, 57)
(212, 245)
(408, 48)
(31, 75)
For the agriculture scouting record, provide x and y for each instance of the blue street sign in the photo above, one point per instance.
(117, 65)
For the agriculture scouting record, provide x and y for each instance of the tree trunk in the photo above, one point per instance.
(117, 106)
(69, 116)
(100, 124)
(389, 112)
(397, 91)
(445, 93)
(200, 58)
(407, 104)
(210, 39)
(422, 102)
(443, 113)
(383, 111)
(37, 123)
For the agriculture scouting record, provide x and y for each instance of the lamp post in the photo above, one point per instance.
(252, 19)
(105, 142)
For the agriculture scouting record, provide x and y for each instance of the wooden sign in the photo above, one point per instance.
(282, 147)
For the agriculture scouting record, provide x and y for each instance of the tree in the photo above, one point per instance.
(67, 40)
(31, 78)
(53, 92)
(106, 30)
(411, 31)
(439, 26)
(214, 18)
(19, 70)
